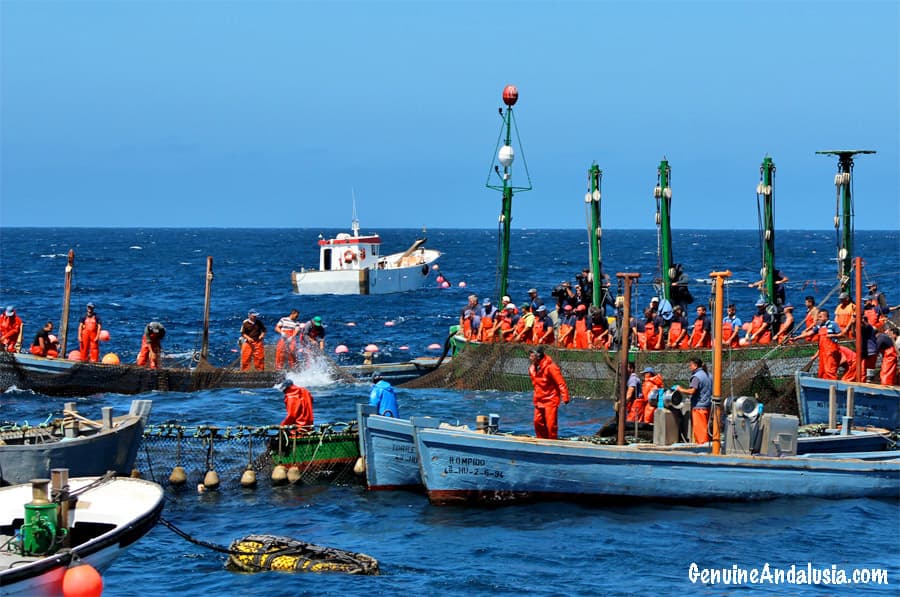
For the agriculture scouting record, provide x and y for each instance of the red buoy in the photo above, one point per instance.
(82, 581)
(510, 95)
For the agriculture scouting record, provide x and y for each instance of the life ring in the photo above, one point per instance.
(349, 256)
(362, 253)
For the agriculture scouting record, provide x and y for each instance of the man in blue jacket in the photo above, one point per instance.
(383, 397)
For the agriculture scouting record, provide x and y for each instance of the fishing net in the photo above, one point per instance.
(766, 372)
(326, 455)
(257, 553)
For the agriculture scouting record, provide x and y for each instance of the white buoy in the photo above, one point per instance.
(462, 284)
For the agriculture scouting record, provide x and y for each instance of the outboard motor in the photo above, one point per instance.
(672, 418)
(741, 433)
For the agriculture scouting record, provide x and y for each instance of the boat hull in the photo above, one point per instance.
(874, 405)
(387, 447)
(128, 508)
(368, 280)
(112, 449)
(61, 377)
(461, 467)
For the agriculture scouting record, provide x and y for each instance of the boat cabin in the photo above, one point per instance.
(347, 252)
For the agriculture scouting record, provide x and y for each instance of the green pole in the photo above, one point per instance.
(595, 174)
(663, 195)
(506, 212)
(843, 218)
(767, 171)
(504, 158)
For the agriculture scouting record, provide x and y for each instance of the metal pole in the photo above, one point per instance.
(623, 356)
(767, 171)
(717, 360)
(663, 194)
(595, 174)
(67, 296)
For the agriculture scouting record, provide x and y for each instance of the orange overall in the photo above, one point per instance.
(549, 389)
(89, 342)
(298, 403)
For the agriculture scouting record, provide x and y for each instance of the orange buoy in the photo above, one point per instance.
(110, 358)
(103, 336)
(75, 355)
(82, 580)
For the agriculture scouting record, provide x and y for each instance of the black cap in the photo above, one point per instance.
(376, 377)
(538, 350)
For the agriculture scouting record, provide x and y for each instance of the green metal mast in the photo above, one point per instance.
(505, 157)
(663, 195)
(595, 175)
(764, 190)
(843, 217)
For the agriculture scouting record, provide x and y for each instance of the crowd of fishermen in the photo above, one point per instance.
(576, 323)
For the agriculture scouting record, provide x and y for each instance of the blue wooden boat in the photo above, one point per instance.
(386, 446)
(460, 467)
(874, 404)
(82, 446)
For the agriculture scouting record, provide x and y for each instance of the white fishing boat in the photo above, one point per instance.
(353, 264)
(87, 520)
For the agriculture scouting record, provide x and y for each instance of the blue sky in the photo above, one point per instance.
(263, 114)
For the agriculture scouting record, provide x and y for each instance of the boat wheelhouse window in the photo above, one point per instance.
(326, 259)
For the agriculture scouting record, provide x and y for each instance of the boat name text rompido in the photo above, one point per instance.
(476, 467)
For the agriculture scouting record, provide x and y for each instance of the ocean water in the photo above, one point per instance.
(137, 275)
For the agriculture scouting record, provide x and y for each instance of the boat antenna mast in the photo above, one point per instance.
(764, 192)
(663, 195)
(505, 156)
(354, 223)
(843, 216)
(592, 198)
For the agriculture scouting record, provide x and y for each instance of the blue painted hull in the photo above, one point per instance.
(461, 467)
(874, 404)
(386, 445)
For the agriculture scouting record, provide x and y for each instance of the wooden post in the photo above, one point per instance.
(67, 294)
(715, 413)
(832, 406)
(850, 404)
(204, 347)
(860, 370)
(623, 355)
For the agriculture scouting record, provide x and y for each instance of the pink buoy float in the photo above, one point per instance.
(75, 355)
(341, 349)
(404, 347)
(462, 284)
(103, 336)
(389, 324)
(371, 348)
(434, 346)
(445, 284)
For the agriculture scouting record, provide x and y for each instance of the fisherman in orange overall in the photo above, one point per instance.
(253, 331)
(653, 383)
(885, 344)
(549, 389)
(522, 329)
(564, 335)
(731, 327)
(844, 315)
(10, 330)
(635, 401)
(847, 359)
(760, 326)
(45, 344)
(678, 333)
(486, 325)
(542, 330)
(298, 404)
(826, 332)
(286, 349)
(89, 335)
(582, 332)
(701, 400)
(701, 333)
(151, 345)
